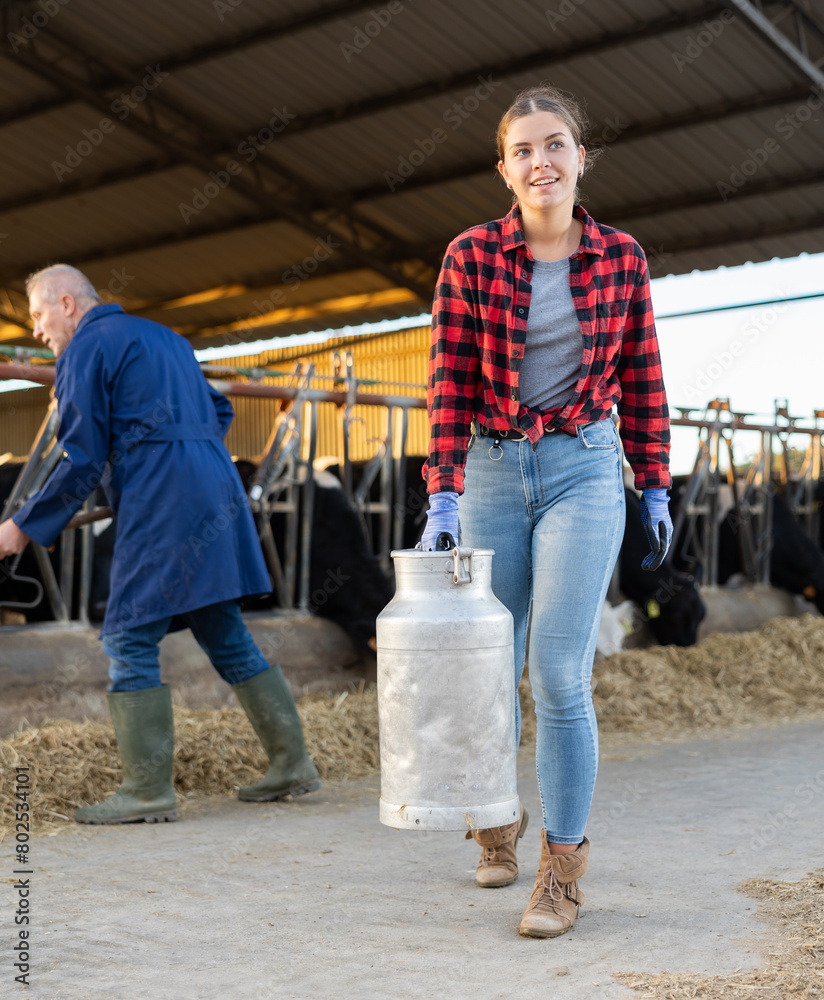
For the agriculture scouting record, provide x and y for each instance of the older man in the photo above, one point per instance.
(137, 415)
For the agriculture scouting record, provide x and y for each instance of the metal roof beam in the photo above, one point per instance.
(433, 88)
(709, 199)
(259, 284)
(640, 130)
(806, 11)
(795, 54)
(264, 284)
(296, 314)
(14, 321)
(156, 241)
(508, 67)
(115, 175)
(185, 58)
(190, 141)
(721, 238)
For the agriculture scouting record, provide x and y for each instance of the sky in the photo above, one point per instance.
(752, 354)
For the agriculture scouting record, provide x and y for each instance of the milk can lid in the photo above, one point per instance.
(420, 554)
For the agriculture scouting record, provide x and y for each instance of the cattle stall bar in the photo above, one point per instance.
(283, 482)
(57, 584)
(284, 479)
(288, 465)
(698, 515)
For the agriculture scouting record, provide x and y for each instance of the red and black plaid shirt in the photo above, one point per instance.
(479, 331)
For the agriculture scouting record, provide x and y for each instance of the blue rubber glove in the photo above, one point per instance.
(441, 516)
(658, 525)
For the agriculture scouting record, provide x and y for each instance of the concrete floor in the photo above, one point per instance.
(316, 899)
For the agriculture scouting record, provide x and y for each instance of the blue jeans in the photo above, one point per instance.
(220, 632)
(554, 514)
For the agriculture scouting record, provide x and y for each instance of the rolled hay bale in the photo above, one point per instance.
(774, 673)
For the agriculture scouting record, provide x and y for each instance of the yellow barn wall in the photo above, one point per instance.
(398, 357)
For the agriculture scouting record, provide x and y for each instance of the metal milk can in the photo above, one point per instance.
(446, 695)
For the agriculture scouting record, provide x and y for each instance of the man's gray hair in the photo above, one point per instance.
(62, 279)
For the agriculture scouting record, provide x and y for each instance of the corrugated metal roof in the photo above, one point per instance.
(684, 95)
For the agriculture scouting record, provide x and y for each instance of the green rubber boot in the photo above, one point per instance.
(144, 728)
(268, 703)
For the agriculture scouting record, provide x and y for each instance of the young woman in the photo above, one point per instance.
(542, 323)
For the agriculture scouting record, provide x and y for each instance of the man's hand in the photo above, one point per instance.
(12, 539)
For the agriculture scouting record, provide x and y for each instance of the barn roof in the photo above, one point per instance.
(248, 168)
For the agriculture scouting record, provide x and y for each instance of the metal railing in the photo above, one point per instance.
(697, 521)
(284, 482)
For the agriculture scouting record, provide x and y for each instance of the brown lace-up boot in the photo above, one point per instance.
(556, 899)
(498, 865)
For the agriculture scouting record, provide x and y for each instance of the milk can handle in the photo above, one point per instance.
(461, 555)
(444, 542)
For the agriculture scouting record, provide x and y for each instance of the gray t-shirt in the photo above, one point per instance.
(553, 351)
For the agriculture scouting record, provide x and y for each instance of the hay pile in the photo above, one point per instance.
(776, 672)
(772, 674)
(73, 763)
(796, 965)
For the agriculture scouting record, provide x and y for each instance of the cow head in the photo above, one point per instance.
(675, 610)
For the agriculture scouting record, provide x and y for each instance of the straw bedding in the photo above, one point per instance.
(795, 965)
(774, 673)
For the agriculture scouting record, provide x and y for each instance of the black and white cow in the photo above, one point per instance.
(668, 597)
(346, 582)
(796, 560)
(411, 506)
